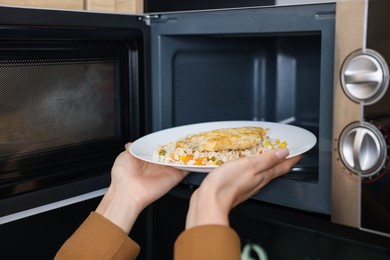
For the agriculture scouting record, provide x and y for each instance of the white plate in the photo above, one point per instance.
(298, 140)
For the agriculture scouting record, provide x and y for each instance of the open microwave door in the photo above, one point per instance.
(256, 64)
(73, 91)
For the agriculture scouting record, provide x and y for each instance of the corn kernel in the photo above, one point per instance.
(282, 145)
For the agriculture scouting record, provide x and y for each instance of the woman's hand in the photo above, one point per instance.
(233, 183)
(144, 182)
(134, 185)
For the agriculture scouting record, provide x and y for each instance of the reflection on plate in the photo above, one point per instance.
(298, 140)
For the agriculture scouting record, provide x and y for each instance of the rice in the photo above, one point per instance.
(171, 153)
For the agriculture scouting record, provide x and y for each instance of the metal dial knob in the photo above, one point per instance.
(365, 76)
(363, 149)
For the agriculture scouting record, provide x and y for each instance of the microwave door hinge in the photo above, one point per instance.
(149, 18)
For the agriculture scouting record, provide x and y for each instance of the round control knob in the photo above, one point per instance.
(363, 149)
(365, 76)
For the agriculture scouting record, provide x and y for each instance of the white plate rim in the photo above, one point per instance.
(143, 147)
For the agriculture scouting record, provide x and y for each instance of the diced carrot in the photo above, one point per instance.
(186, 158)
(172, 157)
(199, 161)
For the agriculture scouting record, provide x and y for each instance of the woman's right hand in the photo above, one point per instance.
(234, 182)
(134, 185)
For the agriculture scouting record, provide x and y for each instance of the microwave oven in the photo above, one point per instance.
(76, 86)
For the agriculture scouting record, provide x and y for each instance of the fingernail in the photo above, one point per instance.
(281, 153)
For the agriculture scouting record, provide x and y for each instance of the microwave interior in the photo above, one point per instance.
(259, 78)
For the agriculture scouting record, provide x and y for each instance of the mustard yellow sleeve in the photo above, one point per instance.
(217, 242)
(98, 238)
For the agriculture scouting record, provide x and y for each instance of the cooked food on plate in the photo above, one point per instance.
(217, 146)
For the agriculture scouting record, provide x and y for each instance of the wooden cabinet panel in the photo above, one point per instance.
(100, 5)
(57, 4)
(129, 6)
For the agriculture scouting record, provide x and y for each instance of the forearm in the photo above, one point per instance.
(119, 209)
(204, 209)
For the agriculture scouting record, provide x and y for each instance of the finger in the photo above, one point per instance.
(283, 167)
(286, 166)
(127, 146)
(267, 160)
(169, 174)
